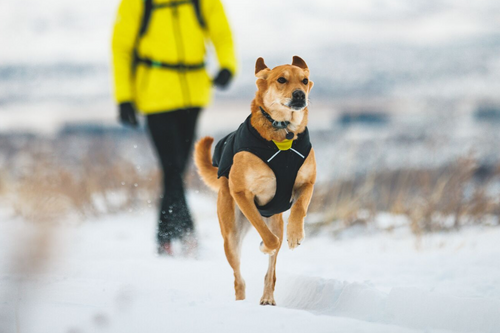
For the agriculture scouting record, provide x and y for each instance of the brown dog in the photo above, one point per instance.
(278, 120)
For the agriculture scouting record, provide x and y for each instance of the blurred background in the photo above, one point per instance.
(405, 121)
(404, 115)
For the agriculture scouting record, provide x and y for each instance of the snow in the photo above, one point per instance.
(46, 29)
(103, 275)
(55, 67)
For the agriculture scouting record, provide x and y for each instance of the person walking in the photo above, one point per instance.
(158, 51)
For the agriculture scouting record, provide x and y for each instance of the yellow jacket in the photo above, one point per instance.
(174, 36)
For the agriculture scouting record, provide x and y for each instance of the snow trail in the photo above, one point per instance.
(104, 276)
(407, 307)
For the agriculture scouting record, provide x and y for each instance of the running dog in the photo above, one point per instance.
(264, 168)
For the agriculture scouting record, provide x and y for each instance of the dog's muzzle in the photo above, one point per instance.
(280, 124)
(298, 101)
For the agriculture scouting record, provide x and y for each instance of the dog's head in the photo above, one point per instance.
(283, 88)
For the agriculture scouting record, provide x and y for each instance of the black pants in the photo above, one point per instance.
(172, 134)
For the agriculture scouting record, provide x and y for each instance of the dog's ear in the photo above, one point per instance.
(260, 65)
(261, 70)
(299, 62)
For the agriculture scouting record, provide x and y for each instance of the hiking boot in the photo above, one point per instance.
(165, 249)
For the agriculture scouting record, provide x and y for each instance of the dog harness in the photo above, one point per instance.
(284, 158)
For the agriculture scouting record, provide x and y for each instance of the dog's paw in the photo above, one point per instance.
(264, 249)
(294, 235)
(267, 301)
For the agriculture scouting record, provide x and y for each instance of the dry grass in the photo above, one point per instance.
(41, 181)
(433, 200)
(52, 192)
(55, 180)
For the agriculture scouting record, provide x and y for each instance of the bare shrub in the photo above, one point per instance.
(52, 179)
(433, 200)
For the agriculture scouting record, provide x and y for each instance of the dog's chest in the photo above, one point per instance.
(267, 169)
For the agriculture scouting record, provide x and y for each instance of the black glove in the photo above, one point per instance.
(223, 77)
(127, 114)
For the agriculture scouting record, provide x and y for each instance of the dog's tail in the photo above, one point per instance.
(203, 162)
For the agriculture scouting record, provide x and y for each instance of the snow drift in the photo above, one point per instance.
(408, 307)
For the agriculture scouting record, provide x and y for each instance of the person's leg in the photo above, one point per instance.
(189, 122)
(172, 134)
(188, 128)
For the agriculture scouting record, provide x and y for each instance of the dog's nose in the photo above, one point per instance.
(298, 95)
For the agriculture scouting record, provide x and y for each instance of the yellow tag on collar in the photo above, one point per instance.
(283, 145)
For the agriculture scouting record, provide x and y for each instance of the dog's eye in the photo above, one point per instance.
(305, 81)
(282, 80)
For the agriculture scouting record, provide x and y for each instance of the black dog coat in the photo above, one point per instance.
(284, 163)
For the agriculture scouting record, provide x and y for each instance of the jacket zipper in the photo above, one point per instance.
(180, 52)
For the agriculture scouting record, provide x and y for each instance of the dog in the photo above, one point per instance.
(264, 168)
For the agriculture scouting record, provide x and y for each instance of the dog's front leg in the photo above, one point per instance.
(303, 189)
(245, 200)
(295, 228)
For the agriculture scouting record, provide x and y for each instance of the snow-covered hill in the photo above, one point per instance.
(103, 275)
(58, 52)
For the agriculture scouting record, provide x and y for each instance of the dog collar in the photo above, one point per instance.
(278, 124)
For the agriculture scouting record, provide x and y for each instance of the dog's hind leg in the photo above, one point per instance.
(276, 225)
(232, 234)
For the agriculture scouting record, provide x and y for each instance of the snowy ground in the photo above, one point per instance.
(104, 276)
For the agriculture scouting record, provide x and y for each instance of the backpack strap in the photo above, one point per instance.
(149, 6)
(199, 15)
(148, 9)
(146, 17)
